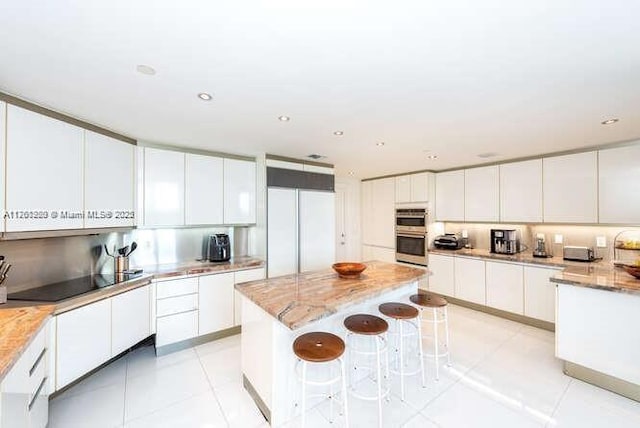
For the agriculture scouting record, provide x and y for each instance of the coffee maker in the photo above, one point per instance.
(505, 241)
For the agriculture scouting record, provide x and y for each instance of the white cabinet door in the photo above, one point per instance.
(282, 226)
(619, 185)
(420, 187)
(539, 293)
(216, 303)
(383, 254)
(441, 280)
(44, 172)
(244, 276)
(3, 110)
(176, 328)
(383, 212)
(521, 191)
(163, 187)
(317, 222)
(505, 288)
(403, 188)
(203, 190)
(84, 341)
(239, 191)
(130, 319)
(571, 188)
(470, 280)
(481, 194)
(367, 212)
(109, 181)
(450, 196)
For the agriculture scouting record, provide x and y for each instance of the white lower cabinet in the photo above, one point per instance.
(370, 252)
(441, 280)
(130, 319)
(240, 277)
(83, 341)
(216, 302)
(505, 288)
(176, 310)
(177, 327)
(540, 293)
(469, 280)
(24, 393)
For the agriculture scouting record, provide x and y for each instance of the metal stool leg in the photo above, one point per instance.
(446, 332)
(304, 393)
(345, 408)
(435, 338)
(379, 381)
(401, 339)
(421, 354)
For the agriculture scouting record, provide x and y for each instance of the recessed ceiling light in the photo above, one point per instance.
(145, 69)
(284, 118)
(351, 173)
(380, 144)
(432, 157)
(609, 121)
(204, 96)
(338, 133)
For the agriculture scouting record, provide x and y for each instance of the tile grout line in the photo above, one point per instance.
(213, 391)
(555, 409)
(124, 398)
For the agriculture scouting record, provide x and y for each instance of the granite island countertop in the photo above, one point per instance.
(299, 299)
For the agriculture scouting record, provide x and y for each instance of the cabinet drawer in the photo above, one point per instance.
(33, 352)
(39, 409)
(37, 374)
(174, 328)
(176, 287)
(175, 305)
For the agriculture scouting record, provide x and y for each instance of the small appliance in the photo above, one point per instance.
(541, 247)
(505, 241)
(448, 241)
(578, 254)
(219, 248)
(411, 235)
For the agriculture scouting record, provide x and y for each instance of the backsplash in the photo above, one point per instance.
(37, 262)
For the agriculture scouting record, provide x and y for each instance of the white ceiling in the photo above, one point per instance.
(453, 78)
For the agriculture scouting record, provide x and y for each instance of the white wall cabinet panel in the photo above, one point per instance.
(521, 191)
(619, 185)
(109, 181)
(282, 226)
(3, 111)
(470, 280)
(403, 189)
(450, 196)
(571, 188)
(505, 288)
(130, 319)
(420, 187)
(366, 213)
(244, 276)
(539, 293)
(84, 341)
(481, 194)
(203, 190)
(239, 191)
(383, 213)
(44, 171)
(369, 252)
(441, 280)
(317, 221)
(216, 302)
(163, 187)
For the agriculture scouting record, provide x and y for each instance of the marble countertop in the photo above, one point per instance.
(297, 300)
(18, 327)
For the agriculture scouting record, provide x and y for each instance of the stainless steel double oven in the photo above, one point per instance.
(411, 235)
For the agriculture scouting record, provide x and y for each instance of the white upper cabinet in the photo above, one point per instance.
(619, 183)
(403, 188)
(481, 194)
(521, 191)
(203, 190)
(450, 196)
(239, 191)
(383, 213)
(109, 181)
(44, 172)
(571, 188)
(366, 188)
(163, 187)
(3, 111)
(412, 188)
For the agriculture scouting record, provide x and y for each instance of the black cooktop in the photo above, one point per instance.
(70, 288)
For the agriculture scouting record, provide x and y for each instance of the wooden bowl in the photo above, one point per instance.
(349, 269)
(632, 270)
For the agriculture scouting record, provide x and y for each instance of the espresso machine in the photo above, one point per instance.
(505, 241)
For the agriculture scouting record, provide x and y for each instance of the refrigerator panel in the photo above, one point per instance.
(317, 230)
(282, 232)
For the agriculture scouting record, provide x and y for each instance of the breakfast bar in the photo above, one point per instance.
(277, 310)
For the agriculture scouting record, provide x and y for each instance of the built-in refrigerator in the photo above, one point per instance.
(300, 230)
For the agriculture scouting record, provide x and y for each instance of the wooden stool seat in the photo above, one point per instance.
(399, 311)
(428, 300)
(318, 347)
(366, 324)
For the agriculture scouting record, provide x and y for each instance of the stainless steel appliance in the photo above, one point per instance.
(541, 247)
(448, 241)
(579, 254)
(505, 241)
(411, 235)
(219, 248)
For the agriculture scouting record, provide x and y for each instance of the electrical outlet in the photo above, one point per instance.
(557, 238)
(601, 241)
(465, 233)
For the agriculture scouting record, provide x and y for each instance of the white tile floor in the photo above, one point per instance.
(503, 374)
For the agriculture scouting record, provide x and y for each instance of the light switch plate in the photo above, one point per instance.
(557, 238)
(601, 241)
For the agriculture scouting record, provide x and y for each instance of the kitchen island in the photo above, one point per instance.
(277, 310)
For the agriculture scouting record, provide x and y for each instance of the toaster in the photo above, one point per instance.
(579, 254)
(448, 241)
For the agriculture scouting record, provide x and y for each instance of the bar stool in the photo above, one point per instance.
(365, 325)
(405, 314)
(438, 306)
(321, 347)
